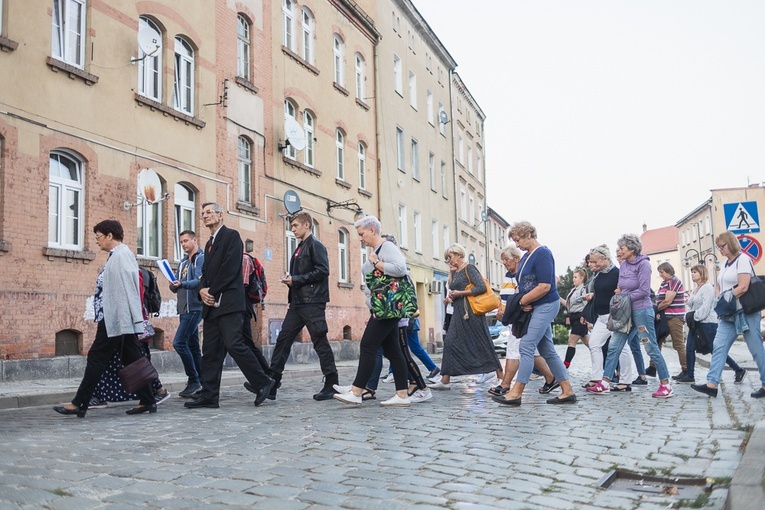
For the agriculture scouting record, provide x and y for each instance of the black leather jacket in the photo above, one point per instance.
(310, 273)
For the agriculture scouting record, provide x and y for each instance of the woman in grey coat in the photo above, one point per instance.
(117, 307)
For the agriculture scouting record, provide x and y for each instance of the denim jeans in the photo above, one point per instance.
(642, 323)
(637, 353)
(726, 334)
(415, 346)
(186, 344)
(710, 330)
(539, 337)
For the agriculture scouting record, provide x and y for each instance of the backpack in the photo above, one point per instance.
(152, 299)
(257, 287)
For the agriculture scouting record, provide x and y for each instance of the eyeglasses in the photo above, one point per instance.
(99, 236)
(721, 246)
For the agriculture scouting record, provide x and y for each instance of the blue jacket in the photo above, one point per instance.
(188, 297)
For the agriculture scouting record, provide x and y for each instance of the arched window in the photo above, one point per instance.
(290, 111)
(149, 238)
(308, 125)
(308, 26)
(65, 201)
(185, 214)
(244, 157)
(342, 255)
(150, 66)
(339, 58)
(242, 47)
(340, 154)
(288, 24)
(360, 77)
(362, 166)
(183, 91)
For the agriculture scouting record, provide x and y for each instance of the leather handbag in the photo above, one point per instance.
(754, 298)
(137, 374)
(482, 303)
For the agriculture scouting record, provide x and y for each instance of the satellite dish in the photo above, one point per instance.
(149, 41)
(442, 117)
(291, 201)
(294, 134)
(149, 185)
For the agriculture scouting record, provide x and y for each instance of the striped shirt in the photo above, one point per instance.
(677, 307)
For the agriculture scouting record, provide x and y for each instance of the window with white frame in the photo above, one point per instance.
(444, 192)
(290, 111)
(362, 166)
(149, 242)
(479, 167)
(429, 105)
(471, 211)
(315, 228)
(185, 215)
(242, 47)
(150, 66)
(415, 159)
(292, 244)
(432, 170)
(340, 154)
(65, 201)
(400, 149)
(445, 236)
(183, 91)
(338, 50)
(412, 90)
(463, 204)
(434, 238)
(360, 77)
(417, 232)
(470, 159)
(342, 255)
(308, 27)
(402, 240)
(461, 149)
(441, 125)
(398, 78)
(244, 157)
(308, 127)
(707, 225)
(288, 24)
(68, 32)
(480, 212)
(364, 253)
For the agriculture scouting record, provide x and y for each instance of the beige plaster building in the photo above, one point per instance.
(496, 238)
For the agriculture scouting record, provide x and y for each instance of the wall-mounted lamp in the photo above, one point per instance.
(142, 201)
(709, 256)
(281, 146)
(350, 205)
(248, 245)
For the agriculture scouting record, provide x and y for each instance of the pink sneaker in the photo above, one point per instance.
(599, 389)
(664, 391)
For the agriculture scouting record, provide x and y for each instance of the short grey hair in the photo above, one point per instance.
(369, 222)
(511, 251)
(601, 251)
(389, 237)
(216, 207)
(631, 242)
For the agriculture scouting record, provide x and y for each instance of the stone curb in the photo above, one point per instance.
(747, 489)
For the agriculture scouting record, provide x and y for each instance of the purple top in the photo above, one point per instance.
(635, 281)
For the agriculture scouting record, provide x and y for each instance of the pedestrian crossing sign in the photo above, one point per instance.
(742, 217)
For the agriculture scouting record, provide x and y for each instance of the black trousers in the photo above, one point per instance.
(381, 333)
(223, 334)
(314, 319)
(415, 376)
(99, 356)
(250, 341)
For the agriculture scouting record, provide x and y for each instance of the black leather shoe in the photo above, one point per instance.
(706, 390)
(263, 392)
(571, 399)
(325, 393)
(79, 411)
(151, 409)
(199, 403)
(507, 401)
(755, 394)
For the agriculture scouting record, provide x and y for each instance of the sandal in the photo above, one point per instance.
(621, 387)
(547, 388)
(368, 394)
(498, 390)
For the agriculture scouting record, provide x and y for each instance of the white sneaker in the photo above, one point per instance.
(348, 398)
(342, 389)
(436, 378)
(421, 396)
(441, 386)
(395, 401)
(388, 378)
(534, 377)
(484, 377)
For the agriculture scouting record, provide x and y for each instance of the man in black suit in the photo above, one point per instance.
(308, 281)
(222, 293)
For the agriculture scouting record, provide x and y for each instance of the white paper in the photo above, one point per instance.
(166, 270)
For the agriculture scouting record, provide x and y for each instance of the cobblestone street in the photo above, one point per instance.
(459, 450)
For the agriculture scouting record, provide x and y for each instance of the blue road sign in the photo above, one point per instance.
(742, 217)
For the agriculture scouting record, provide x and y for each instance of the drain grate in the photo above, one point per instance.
(682, 488)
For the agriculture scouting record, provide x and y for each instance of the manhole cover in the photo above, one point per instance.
(682, 488)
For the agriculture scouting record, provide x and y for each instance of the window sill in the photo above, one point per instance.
(362, 104)
(7, 44)
(73, 72)
(69, 255)
(5, 246)
(342, 183)
(247, 208)
(168, 112)
(246, 84)
(345, 285)
(365, 193)
(147, 262)
(341, 89)
(300, 60)
(300, 166)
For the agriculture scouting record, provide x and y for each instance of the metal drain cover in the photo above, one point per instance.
(682, 488)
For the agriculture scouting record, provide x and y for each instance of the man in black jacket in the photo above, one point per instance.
(308, 282)
(222, 293)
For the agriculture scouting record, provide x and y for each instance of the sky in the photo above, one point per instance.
(604, 115)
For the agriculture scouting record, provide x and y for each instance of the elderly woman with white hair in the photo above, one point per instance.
(635, 282)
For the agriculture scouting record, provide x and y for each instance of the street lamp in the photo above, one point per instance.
(705, 258)
(350, 205)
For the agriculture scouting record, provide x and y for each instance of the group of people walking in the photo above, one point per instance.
(210, 287)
